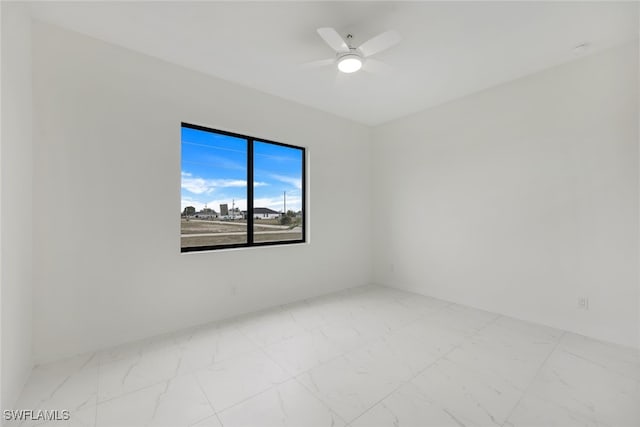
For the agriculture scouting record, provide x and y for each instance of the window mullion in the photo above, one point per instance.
(250, 192)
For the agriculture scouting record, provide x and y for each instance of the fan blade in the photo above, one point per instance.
(380, 42)
(318, 63)
(333, 39)
(375, 66)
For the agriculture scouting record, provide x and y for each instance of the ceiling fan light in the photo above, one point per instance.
(349, 63)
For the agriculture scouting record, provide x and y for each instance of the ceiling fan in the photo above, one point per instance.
(350, 59)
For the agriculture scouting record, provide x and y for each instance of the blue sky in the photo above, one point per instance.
(214, 171)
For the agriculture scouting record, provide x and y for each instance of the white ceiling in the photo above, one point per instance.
(449, 49)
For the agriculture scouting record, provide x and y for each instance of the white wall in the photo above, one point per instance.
(523, 198)
(108, 142)
(16, 166)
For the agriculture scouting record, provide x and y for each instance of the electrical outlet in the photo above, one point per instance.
(583, 303)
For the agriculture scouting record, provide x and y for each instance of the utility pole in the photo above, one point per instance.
(285, 203)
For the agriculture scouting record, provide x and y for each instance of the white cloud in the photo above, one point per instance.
(296, 182)
(223, 183)
(197, 185)
(201, 188)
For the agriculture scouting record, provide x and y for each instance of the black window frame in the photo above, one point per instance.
(250, 181)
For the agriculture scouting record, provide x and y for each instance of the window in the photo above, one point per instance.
(239, 191)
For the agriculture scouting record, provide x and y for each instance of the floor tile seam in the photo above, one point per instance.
(40, 403)
(333, 323)
(311, 328)
(557, 348)
(263, 350)
(599, 365)
(439, 307)
(190, 368)
(286, 317)
(138, 355)
(297, 376)
(195, 378)
(316, 394)
(315, 328)
(301, 332)
(100, 402)
(239, 402)
(90, 355)
(324, 362)
(593, 418)
(337, 320)
(345, 353)
(253, 341)
(53, 387)
(469, 337)
(141, 344)
(313, 303)
(417, 315)
(527, 388)
(442, 356)
(446, 328)
(463, 339)
(329, 360)
(486, 325)
(405, 382)
(469, 334)
(289, 377)
(203, 419)
(280, 365)
(430, 313)
(95, 418)
(321, 400)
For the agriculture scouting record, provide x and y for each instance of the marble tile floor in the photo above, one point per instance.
(365, 357)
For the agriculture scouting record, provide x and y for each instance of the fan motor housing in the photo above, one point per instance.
(349, 62)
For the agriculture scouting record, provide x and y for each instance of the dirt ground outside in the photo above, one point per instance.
(194, 226)
(196, 233)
